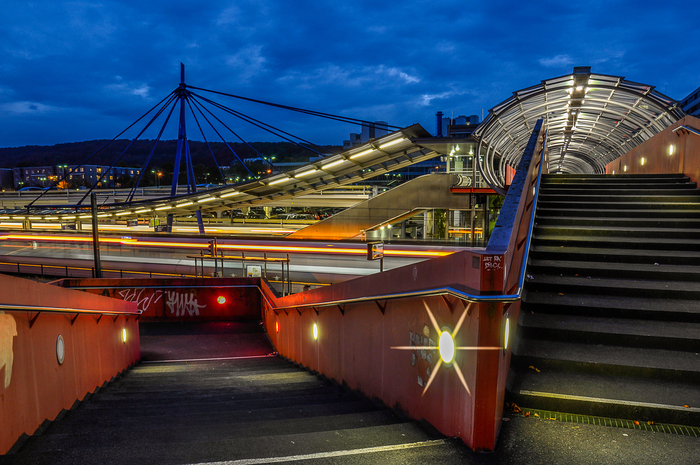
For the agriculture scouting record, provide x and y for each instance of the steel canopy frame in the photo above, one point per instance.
(592, 120)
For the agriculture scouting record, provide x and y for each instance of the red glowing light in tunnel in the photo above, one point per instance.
(221, 299)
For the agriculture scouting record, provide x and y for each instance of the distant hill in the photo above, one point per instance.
(75, 152)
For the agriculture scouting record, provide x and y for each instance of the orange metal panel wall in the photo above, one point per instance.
(38, 387)
(358, 343)
(371, 351)
(656, 156)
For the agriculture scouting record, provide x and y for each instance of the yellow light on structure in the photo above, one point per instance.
(642, 161)
(625, 168)
(361, 154)
(208, 199)
(68, 217)
(446, 346)
(393, 142)
(186, 204)
(143, 210)
(305, 173)
(116, 214)
(315, 332)
(277, 181)
(82, 217)
(335, 163)
(671, 149)
(230, 194)
(506, 333)
(165, 207)
(124, 335)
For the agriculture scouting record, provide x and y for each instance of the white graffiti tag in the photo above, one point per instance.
(182, 304)
(143, 302)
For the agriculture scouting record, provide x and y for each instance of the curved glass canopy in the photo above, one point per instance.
(592, 119)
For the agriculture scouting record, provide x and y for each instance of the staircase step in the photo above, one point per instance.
(545, 212)
(640, 399)
(609, 305)
(613, 331)
(612, 204)
(649, 257)
(612, 178)
(665, 197)
(250, 446)
(688, 290)
(622, 189)
(613, 270)
(607, 360)
(644, 223)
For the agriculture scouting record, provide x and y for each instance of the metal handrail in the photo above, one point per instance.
(448, 290)
(40, 308)
(523, 267)
(687, 128)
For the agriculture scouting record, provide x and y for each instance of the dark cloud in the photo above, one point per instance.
(84, 70)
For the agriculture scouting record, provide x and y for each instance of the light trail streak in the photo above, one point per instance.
(243, 247)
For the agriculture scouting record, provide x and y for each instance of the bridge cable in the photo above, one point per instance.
(189, 104)
(260, 155)
(101, 148)
(262, 125)
(219, 134)
(144, 168)
(301, 110)
(158, 113)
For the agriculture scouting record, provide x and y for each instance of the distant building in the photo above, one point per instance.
(461, 126)
(6, 179)
(369, 132)
(691, 103)
(47, 176)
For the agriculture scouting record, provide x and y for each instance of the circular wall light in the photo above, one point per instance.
(60, 349)
(446, 346)
(221, 299)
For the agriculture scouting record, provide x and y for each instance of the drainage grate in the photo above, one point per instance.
(613, 422)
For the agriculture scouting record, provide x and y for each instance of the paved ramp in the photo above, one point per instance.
(397, 204)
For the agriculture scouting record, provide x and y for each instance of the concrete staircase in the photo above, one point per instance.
(610, 320)
(257, 409)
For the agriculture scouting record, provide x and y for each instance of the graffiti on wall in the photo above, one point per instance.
(8, 330)
(186, 303)
(144, 298)
(182, 303)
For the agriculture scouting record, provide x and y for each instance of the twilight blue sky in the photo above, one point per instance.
(73, 71)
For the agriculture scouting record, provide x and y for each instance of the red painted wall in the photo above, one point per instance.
(180, 299)
(38, 387)
(657, 157)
